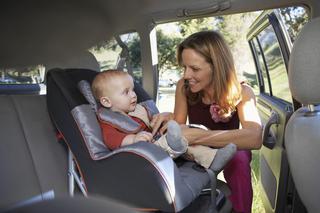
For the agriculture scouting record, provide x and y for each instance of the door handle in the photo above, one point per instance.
(268, 139)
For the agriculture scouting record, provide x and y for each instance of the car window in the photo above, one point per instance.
(169, 35)
(293, 19)
(275, 64)
(29, 75)
(262, 67)
(29, 80)
(269, 49)
(121, 52)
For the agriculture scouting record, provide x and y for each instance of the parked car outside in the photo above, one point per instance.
(166, 83)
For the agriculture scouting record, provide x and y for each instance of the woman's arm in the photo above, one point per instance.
(180, 105)
(248, 137)
(179, 115)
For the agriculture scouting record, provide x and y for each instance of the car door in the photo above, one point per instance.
(271, 47)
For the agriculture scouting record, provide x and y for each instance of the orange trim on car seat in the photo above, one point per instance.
(75, 160)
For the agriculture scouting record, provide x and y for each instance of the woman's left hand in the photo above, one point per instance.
(159, 121)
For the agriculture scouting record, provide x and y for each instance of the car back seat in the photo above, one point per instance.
(33, 165)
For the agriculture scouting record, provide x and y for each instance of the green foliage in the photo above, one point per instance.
(167, 46)
(234, 29)
(166, 51)
(224, 27)
(190, 26)
(257, 205)
(135, 52)
(105, 45)
(295, 18)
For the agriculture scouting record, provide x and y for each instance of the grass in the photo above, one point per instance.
(257, 205)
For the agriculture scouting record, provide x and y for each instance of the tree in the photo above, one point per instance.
(294, 18)
(135, 52)
(190, 26)
(167, 46)
(166, 51)
(234, 29)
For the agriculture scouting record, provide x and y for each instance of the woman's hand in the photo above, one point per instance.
(160, 120)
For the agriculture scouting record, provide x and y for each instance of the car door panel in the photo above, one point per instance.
(272, 162)
(274, 103)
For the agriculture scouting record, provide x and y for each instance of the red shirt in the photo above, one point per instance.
(112, 137)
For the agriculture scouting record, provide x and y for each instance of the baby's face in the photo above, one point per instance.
(121, 94)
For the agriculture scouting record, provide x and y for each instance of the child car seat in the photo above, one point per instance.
(141, 174)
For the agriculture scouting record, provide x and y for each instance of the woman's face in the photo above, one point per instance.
(197, 71)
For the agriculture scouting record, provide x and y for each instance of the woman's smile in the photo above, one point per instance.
(197, 71)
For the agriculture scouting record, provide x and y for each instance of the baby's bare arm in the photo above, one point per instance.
(134, 138)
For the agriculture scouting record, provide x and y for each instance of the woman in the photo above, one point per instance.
(210, 94)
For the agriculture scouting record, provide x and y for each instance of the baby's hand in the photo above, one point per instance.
(143, 136)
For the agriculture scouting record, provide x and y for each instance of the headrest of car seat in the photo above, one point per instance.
(85, 89)
(116, 119)
(85, 117)
(304, 64)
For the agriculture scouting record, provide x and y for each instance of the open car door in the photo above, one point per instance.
(271, 47)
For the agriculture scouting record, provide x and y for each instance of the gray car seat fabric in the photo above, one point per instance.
(32, 162)
(302, 134)
(87, 123)
(304, 65)
(86, 91)
(140, 174)
(193, 179)
(190, 177)
(124, 122)
(76, 204)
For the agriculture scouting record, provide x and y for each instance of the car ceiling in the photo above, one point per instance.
(39, 31)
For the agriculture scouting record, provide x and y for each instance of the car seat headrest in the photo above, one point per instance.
(304, 64)
(85, 89)
(85, 117)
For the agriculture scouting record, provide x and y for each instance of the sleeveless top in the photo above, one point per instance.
(199, 113)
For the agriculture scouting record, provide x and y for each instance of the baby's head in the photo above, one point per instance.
(114, 90)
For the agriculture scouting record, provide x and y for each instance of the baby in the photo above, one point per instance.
(114, 89)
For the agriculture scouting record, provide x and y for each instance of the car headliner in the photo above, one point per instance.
(37, 32)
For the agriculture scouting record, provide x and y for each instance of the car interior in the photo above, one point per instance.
(52, 153)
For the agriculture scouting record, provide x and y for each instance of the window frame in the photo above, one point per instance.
(270, 19)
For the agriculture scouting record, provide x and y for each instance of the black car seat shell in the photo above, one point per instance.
(142, 174)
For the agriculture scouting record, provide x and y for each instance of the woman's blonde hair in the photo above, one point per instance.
(214, 49)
